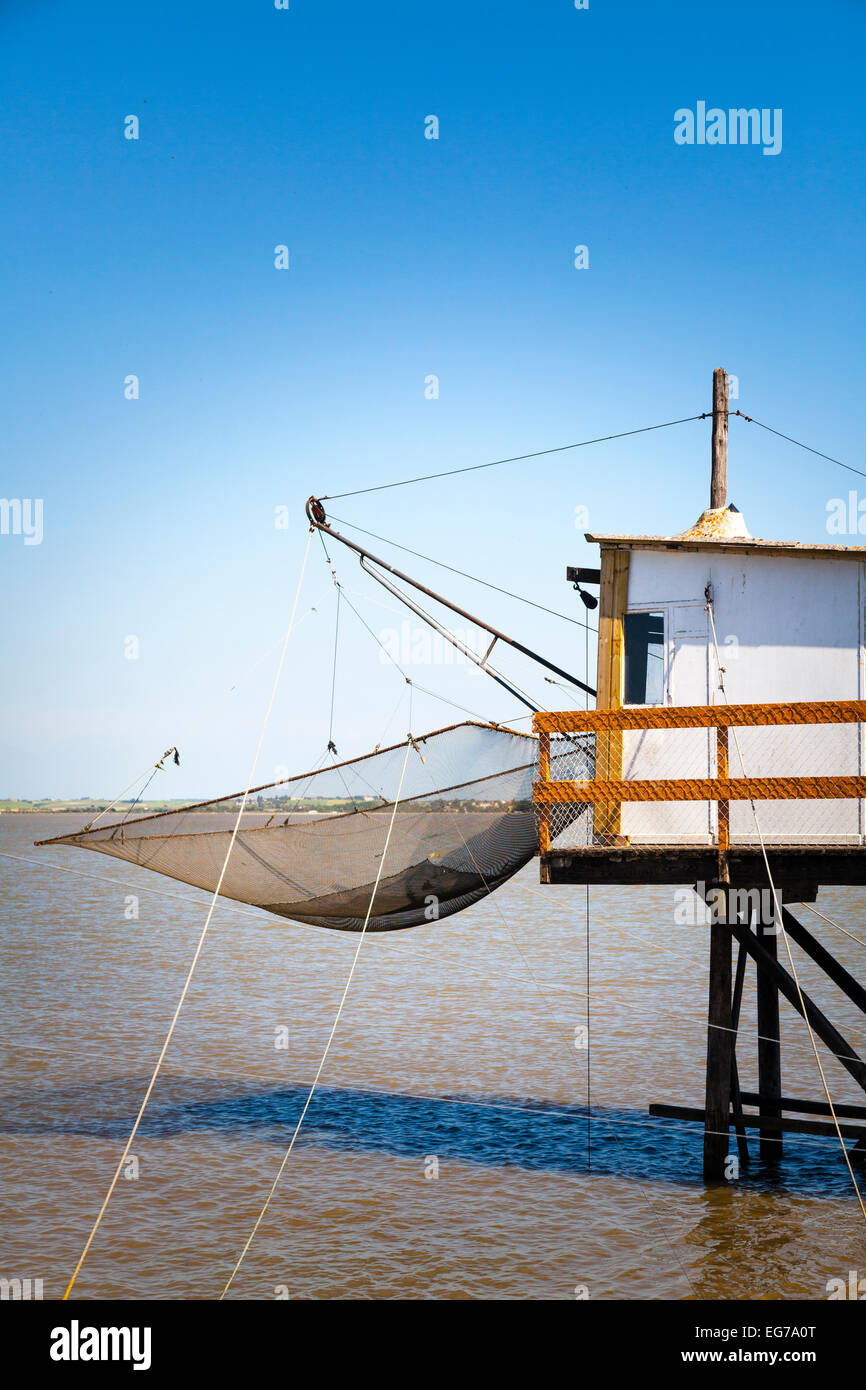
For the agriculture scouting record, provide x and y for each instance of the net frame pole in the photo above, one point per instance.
(317, 518)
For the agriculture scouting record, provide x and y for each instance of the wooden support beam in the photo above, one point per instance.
(765, 1122)
(806, 1107)
(720, 1053)
(821, 956)
(739, 978)
(820, 1024)
(736, 1097)
(769, 1048)
(544, 810)
(796, 869)
(613, 601)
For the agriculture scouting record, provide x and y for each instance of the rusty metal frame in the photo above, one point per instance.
(611, 793)
(705, 789)
(701, 716)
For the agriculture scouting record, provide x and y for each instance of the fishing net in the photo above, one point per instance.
(309, 847)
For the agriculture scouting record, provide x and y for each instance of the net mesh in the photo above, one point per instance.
(794, 755)
(309, 848)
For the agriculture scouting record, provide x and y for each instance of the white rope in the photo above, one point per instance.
(334, 1026)
(134, 888)
(202, 936)
(837, 925)
(780, 920)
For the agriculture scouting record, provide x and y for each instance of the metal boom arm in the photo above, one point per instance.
(317, 518)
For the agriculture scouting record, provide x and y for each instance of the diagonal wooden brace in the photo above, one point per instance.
(822, 957)
(787, 986)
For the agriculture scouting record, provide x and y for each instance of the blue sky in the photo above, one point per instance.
(408, 257)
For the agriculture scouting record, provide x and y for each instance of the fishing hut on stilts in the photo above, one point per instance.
(729, 755)
(726, 751)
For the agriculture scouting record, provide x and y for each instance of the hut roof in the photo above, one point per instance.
(748, 546)
(723, 529)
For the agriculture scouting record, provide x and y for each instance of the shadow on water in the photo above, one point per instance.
(491, 1131)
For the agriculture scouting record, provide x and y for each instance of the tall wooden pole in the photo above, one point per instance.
(720, 1038)
(719, 477)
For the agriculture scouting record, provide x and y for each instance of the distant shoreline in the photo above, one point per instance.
(11, 805)
(120, 811)
(296, 806)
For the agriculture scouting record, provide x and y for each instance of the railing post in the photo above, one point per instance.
(723, 807)
(544, 776)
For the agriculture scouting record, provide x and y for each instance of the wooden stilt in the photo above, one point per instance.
(736, 1098)
(769, 1050)
(720, 1050)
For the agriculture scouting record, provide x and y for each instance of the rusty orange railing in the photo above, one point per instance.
(607, 794)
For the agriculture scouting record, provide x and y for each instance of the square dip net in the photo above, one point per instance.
(309, 848)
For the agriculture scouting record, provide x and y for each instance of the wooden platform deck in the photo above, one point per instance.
(794, 867)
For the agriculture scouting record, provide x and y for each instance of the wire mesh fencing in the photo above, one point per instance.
(707, 775)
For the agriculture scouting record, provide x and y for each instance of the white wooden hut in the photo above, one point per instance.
(784, 621)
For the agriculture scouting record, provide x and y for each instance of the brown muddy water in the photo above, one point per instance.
(456, 1049)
